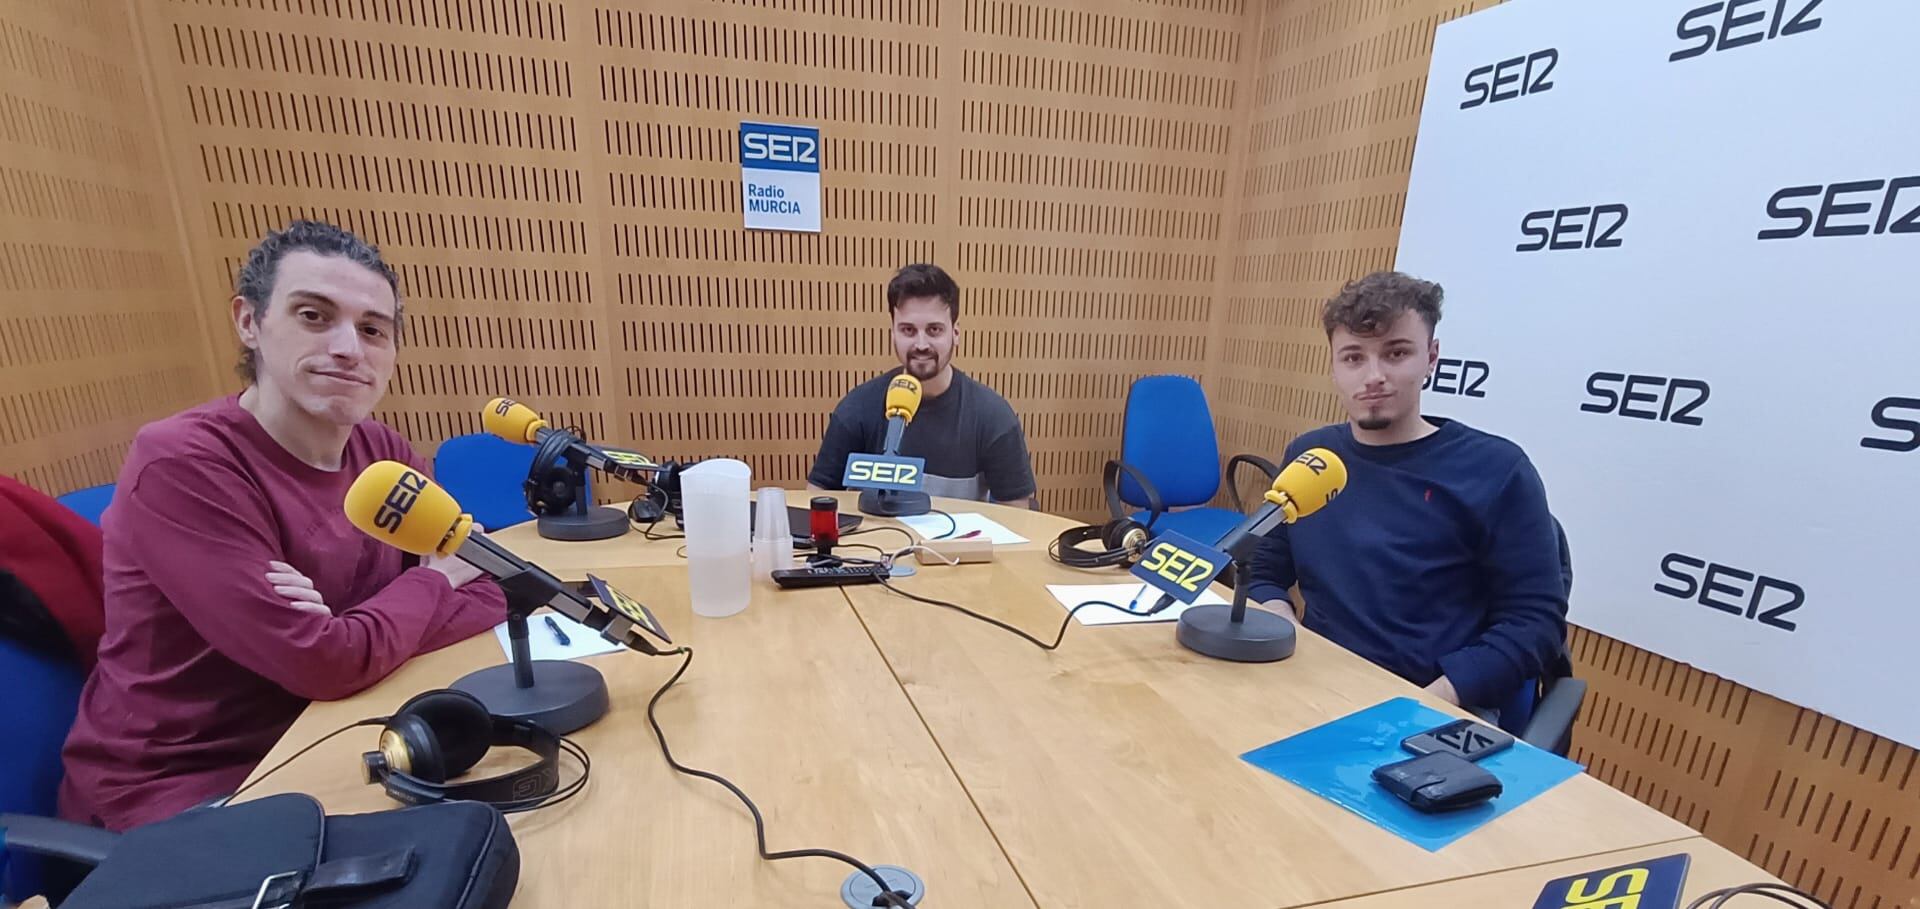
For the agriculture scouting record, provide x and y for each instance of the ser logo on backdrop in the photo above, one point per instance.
(1647, 397)
(1747, 594)
(1458, 377)
(1737, 23)
(1835, 209)
(1512, 78)
(1901, 418)
(1584, 227)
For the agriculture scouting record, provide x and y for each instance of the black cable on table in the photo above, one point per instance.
(1057, 638)
(759, 822)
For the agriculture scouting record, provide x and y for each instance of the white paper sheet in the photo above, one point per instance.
(543, 645)
(1140, 596)
(929, 526)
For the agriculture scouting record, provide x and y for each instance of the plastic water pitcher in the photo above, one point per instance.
(714, 495)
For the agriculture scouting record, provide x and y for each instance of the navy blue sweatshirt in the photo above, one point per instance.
(1440, 557)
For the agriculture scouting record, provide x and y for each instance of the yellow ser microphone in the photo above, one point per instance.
(516, 422)
(513, 421)
(1307, 484)
(400, 506)
(1304, 486)
(903, 401)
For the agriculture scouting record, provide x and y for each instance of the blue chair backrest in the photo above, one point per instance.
(37, 706)
(487, 475)
(1169, 436)
(90, 502)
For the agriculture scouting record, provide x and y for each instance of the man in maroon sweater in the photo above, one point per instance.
(236, 590)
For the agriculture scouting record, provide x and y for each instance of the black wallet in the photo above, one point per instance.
(1438, 782)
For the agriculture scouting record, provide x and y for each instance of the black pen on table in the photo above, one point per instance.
(558, 635)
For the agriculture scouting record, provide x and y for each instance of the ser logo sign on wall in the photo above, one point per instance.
(1731, 590)
(1637, 397)
(1737, 23)
(1900, 417)
(1512, 78)
(1584, 227)
(1458, 377)
(780, 176)
(1889, 206)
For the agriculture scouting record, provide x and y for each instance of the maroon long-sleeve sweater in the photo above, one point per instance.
(202, 666)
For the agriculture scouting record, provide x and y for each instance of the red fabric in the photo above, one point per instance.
(202, 666)
(56, 553)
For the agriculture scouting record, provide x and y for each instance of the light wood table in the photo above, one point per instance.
(1110, 768)
(1105, 774)
(1710, 868)
(788, 699)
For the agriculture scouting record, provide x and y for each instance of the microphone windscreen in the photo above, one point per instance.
(399, 506)
(903, 397)
(512, 421)
(1308, 483)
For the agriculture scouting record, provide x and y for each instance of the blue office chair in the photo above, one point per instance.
(90, 502)
(37, 706)
(487, 475)
(1168, 437)
(1543, 714)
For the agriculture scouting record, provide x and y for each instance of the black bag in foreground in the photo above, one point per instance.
(284, 852)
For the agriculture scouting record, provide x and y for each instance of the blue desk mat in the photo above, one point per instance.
(1335, 761)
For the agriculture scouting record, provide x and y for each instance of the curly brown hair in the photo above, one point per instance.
(1366, 306)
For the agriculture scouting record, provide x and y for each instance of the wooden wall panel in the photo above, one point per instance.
(558, 185)
(1336, 88)
(98, 333)
(1122, 188)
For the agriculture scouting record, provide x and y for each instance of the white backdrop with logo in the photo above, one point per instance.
(1728, 426)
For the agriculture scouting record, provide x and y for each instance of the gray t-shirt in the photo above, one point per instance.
(969, 436)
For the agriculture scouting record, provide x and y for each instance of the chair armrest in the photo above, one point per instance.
(1233, 489)
(1551, 727)
(57, 838)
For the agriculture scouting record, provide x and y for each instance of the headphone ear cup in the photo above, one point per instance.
(457, 724)
(1125, 533)
(424, 760)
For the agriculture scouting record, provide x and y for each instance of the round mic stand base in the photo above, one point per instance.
(598, 523)
(559, 696)
(888, 503)
(1258, 637)
(1236, 632)
(565, 696)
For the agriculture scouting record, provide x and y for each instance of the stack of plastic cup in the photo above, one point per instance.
(772, 534)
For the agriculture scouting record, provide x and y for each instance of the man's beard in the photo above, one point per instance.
(924, 369)
(1373, 424)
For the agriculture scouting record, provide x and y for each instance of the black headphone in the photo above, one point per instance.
(439, 735)
(1122, 539)
(551, 487)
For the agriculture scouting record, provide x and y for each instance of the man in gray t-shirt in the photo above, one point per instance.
(967, 432)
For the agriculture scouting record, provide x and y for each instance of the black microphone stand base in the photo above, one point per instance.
(565, 696)
(1236, 632)
(598, 523)
(1258, 637)
(559, 696)
(889, 503)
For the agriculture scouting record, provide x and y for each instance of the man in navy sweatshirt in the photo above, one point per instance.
(1439, 561)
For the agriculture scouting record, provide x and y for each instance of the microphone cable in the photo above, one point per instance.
(893, 897)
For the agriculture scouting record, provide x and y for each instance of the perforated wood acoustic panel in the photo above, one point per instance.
(558, 184)
(1334, 88)
(97, 330)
